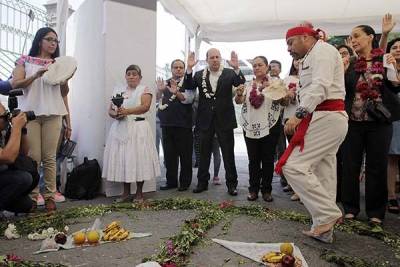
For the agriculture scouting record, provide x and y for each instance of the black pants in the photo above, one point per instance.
(373, 138)
(178, 148)
(227, 142)
(15, 187)
(261, 153)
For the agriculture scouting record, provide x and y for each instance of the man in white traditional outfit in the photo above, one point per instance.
(319, 127)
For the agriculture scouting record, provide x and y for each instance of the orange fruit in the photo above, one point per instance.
(286, 248)
(93, 236)
(79, 238)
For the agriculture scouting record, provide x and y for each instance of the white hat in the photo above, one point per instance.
(276, 90)
(61, 70)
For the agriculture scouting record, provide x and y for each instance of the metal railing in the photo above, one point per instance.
(19, 22)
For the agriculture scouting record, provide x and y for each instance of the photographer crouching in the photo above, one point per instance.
(18, 174)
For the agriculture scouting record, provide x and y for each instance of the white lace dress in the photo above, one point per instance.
(130, 154)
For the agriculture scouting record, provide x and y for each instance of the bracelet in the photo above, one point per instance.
(68, 128)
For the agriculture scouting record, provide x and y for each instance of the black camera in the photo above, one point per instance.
(13, 105)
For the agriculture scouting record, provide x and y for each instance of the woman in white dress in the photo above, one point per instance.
(130, 155)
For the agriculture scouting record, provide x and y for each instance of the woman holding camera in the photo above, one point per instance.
(372, 106)
(49, 104)
(130, 155)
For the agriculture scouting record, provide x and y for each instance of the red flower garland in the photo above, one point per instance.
(256, 98)
(370, 88)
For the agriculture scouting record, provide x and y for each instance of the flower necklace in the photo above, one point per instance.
(208, 92)
(256, 97)
(162, 106)
(369, 87)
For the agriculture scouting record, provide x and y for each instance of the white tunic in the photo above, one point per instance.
(321, 76)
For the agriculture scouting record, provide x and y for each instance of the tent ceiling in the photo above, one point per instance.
(229, 20)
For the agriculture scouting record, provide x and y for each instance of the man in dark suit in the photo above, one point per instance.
(216, 114)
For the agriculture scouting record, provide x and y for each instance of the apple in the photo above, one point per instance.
(288, 261)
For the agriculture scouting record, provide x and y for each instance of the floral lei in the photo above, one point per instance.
(208, 92)
(256, 97)
(162, 106)
(370, 87)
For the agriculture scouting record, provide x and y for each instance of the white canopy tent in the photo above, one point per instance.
(250, 20)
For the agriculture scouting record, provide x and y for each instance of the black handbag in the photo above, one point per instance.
(378, 112)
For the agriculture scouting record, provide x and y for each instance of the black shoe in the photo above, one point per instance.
(167, 187)
(180, 189)
(232, 191)
(200, 189)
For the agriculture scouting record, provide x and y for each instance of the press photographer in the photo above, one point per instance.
(18, 174)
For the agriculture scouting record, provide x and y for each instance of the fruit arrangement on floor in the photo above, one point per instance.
(282, 258)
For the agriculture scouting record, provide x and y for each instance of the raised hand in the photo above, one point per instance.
(347, 42)
(191, 61)
(40, 72)
(160, 84)
(173, 88)
(240, 90)
(234, 62)
(388, 23)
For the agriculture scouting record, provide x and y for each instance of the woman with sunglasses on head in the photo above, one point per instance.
(372, 106)
(49, 103)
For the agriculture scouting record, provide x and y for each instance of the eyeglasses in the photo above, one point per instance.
(51, 40)
(344, 54)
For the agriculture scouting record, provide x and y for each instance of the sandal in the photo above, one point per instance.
(393, 206)
(326, 237)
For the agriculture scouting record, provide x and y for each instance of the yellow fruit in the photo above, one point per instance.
(93, 236)
(79, 238)
(286, 248)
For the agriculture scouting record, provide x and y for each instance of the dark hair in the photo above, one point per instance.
(276, 62)
(264, 59)
(391, 43)
(177, 60)
(135, 68)
(369, 30)
(293, 70)
(40, 34)
(351, 53)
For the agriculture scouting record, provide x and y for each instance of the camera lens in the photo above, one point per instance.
(30, 115)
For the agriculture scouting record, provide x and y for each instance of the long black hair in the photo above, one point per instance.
(40, 34)
(369, 30)
(293, 70)
(391, 43)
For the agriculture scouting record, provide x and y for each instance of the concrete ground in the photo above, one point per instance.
(163, 224)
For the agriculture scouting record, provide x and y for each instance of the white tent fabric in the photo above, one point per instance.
(227, 20)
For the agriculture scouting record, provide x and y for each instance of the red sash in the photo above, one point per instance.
(298, 137)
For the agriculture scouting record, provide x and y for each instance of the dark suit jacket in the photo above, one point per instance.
(220, 107)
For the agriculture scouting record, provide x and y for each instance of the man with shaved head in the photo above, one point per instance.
(216, 114)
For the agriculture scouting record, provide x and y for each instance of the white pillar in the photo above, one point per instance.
(108, 36)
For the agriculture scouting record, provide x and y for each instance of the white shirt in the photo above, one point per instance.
(40, 97)
(321, 76)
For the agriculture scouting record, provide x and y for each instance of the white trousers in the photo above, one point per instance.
(312, 172)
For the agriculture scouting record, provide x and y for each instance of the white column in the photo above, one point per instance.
(107, 36)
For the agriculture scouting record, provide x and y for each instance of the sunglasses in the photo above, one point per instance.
(51, 40)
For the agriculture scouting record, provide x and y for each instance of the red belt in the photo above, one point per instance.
(298, 137)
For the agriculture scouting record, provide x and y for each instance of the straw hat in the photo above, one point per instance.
(276, 90)
(61, 70)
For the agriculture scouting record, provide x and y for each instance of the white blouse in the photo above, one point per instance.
(256, 123)
(40, 97)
